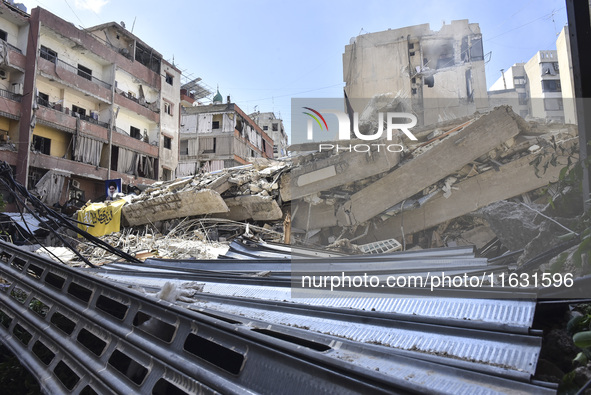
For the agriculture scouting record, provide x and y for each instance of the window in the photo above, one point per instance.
(265, 127)
(43, 99)
(554, 104)
(41, 144)
(476, 50)
(522, 98)
(215, 125)
(3, 35)
(551, 86)
(275, 127)
(167, 142)
(169, 79)
(519, 81)
(168, 108)
(48, 54)
(209, 145)
(135, 133)
(84, 72)
(184, 150)
(78, 110)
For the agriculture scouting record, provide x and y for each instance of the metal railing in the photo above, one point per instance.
(55, 107)
(10, 95)
(83, 74)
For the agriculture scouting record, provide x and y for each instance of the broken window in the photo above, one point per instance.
(168, 142)
(439, 54)
(147, 57)
(43, 99)
(84, 72)
(78, 110)
(41, 144)
(551, 86)
(3, 35)
(135, 133)
(549, 68)
(476, 50)
(48, 54)
(169, 79)
(465, 50)
(469, 88)
(275, 127)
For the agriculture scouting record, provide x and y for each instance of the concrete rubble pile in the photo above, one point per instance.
(242, 193)
(454, 169)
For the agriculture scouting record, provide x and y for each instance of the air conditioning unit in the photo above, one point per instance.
(76, 184)
(17, 88)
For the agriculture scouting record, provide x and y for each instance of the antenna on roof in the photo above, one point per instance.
(133, 24)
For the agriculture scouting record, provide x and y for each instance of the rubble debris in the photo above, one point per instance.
(449, 155)
(211, 193)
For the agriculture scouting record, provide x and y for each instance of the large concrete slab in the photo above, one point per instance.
(174, 205)
(322, 175)
(512, 179)
(258, 208)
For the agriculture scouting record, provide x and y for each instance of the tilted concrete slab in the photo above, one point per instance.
(322, 175)
(451, 154)
(511, 179)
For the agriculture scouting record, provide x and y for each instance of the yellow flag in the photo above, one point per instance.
(106, 217)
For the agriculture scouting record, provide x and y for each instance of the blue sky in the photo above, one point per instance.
(264, 52)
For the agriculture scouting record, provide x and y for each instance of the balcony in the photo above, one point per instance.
(10, 95)
(56, 70)
(58, 107)
(82, 74)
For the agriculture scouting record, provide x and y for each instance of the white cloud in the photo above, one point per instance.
(93, 5)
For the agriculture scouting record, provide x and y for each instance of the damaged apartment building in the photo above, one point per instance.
(439, 75)
(84, 106)
(218, 136)
(273, 126)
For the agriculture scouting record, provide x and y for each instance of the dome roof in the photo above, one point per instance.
(218, 97)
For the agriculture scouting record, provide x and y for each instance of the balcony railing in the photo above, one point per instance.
(58, 107)
(83, 74)
(150, 106)
(10, 95)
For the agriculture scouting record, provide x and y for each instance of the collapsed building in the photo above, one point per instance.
(455, 168)
(440, 73)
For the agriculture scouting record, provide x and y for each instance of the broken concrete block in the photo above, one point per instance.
(175, 205)
(258, 208)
